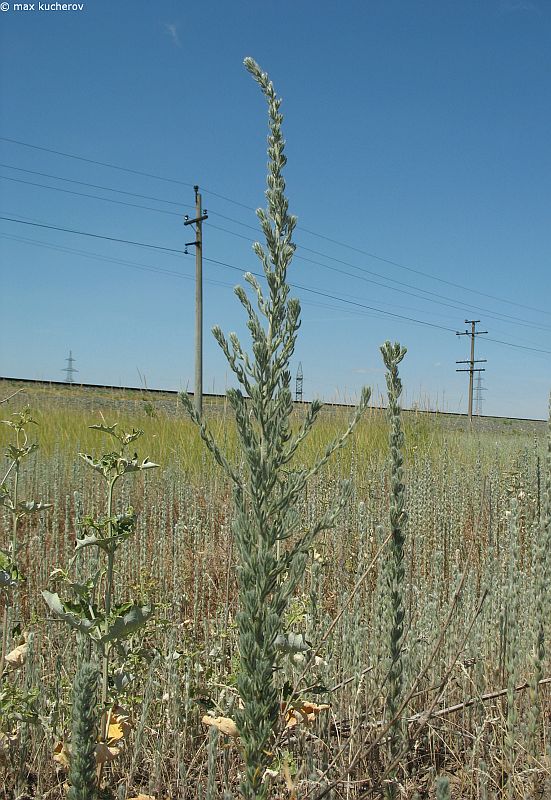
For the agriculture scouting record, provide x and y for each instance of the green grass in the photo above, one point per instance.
(458, 490)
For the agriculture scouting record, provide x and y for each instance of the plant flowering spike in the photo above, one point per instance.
(266, 492)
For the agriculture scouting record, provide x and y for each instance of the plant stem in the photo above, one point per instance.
(107, 606)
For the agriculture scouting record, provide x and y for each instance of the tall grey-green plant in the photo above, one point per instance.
(82, 770)
(266, 492)
(542, 568)
(392, 356)
(512, 655)
(442, 788)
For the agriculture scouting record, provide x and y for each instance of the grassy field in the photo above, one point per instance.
(475, 595)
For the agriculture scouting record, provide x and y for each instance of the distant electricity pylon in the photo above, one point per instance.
(473, 333)
(298, 383)
(478, 395)
(69, 369)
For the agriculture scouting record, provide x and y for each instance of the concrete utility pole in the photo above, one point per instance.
(200, 216)
(471, 361)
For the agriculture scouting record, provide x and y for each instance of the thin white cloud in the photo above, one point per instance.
(516, 6)
(172, 30)
(368, 371)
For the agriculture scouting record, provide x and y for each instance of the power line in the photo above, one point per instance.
(418, 292)
(120, 169)
(512, 344)
(158, 270)
(92, 196)
(336, 297)
(259, 275)
(368, 253)
(95, 235)
(94, 185)
(123, 262)
(95, 161)
(441, 299)
(224, 264)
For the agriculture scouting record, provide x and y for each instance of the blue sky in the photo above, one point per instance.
(419, 169)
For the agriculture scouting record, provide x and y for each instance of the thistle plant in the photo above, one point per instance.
(272, 546)
(105, 622)
(392, 356)
(11, 575)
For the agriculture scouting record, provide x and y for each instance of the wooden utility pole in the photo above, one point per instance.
(471, 361)
(200, 216)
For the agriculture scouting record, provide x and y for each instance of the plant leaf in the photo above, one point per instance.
(132, 436)
(143, 797)
(292, 644)
(105, 753)
(61, 755)
(31, 506)
(110, 429)
(119, 725)
(304, 712)
(17, 657)
(224, 724)
(70, 614)
(126, 624)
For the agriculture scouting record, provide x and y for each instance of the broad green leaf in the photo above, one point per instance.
(71, 613)
(122, 526)
(122, 679)
(126, 624)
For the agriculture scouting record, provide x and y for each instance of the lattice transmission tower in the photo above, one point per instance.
(298, 383)
(69, 369)
(478, 398)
